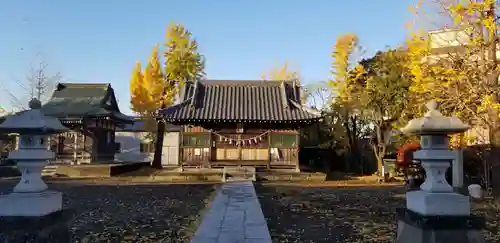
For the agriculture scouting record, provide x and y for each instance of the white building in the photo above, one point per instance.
(135, 148)
(446, 42)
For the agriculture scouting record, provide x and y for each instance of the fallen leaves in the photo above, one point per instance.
(132, 213)
(350, 214)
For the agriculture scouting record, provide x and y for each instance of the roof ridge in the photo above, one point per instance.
(243, 82)
(86, 85)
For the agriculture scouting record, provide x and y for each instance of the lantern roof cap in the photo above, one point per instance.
(435, 123)
(32, 121)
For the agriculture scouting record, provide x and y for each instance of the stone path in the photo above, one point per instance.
(235, 216)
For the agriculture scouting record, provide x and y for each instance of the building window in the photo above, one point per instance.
(282, 140)
(147, 147)
(196, 140)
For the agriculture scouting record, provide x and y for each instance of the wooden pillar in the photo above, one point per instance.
(297, 150)
(238, 144)
(75, 147)
(239, 130)
(105, 145)
(109, 145)
(269, 158)
(211, 144)
(95, 146)
(181, 146)
(84, 145)
(113, 140)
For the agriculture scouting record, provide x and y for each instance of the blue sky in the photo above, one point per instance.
(100, 41)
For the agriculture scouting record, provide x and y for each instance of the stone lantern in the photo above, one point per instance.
(30, 196)
(436, 213)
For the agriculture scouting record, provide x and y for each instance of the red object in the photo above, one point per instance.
(405, 154)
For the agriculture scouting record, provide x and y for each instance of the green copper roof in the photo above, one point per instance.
(78, 100)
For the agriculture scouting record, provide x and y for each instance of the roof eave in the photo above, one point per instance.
(177, 121)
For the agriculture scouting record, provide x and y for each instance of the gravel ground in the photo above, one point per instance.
(115, 212)
(353, 214)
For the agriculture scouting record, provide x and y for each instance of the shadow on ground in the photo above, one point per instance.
(353, 214)
(131, 213)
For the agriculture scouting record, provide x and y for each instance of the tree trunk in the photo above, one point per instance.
(349, 144)
(354, 145)
(350, 125)
(379, 148)
(379, 151)
(380, 164)
(160, 133)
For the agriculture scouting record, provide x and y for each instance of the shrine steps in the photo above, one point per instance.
(50, 170)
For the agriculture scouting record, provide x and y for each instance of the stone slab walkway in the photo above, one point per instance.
(234, 217)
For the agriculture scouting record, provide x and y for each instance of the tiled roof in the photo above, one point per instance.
(78, 100)
(239, 101)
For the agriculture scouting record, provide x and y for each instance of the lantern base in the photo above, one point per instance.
(417, 228)
(438, 203)
(31, 204)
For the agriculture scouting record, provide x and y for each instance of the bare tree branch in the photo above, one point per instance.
(38, 83)
(318, 94)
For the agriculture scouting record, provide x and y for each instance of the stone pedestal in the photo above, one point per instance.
(418, 228)
(31, 176)
(52, 228)
(438, 203)
(30, 204)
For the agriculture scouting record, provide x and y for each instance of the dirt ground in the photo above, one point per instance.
(113, 211)
(338, 213)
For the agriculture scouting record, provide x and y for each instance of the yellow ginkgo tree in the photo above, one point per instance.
(147, 90)
(183, 62)
(157, 86)
(345, 115)
(285, 73)
(140, 99)
(281, 73)
(459, 67)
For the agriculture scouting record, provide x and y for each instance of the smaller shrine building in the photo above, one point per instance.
(91, 112)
